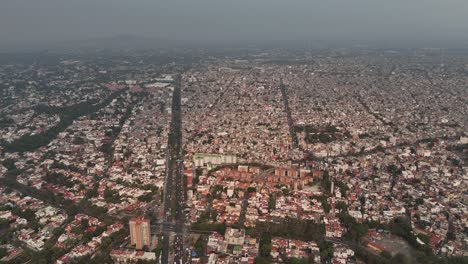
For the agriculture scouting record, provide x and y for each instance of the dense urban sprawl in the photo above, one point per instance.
(340, 156)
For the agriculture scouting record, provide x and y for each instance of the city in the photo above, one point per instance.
(234, 132)
(331, 159)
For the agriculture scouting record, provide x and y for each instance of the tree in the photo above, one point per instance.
(265, 245)
(424, 238)
(84, 223)
(9, 164)
(385, 254)
(199, 247)
(77, 230)
(58, 178)
(323, 200)
(271, 202)
(98, 231)
(325, 182)
(392, 168)
(28, 214)
(343, 187)
(355, 230)
(454, 260)
(262, 260)
(220, 228)
(4, 224)
(251, 189)
(3, 252)
(400, 226)
(400, 259)
(298, 261)
(214, 215)
(146, 197)
(105, 243)
(111, 196)
(326, 206)
(78, 141)
(341, 206)
(326, 250)
(92, 192)
(67, 114)
(293, 228)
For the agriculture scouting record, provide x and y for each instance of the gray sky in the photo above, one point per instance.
(30, 22)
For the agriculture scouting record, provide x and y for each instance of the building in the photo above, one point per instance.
(234, 236)
(131, 256)
(212, 160)
(140, 233)
(290, 177)
(293, 178)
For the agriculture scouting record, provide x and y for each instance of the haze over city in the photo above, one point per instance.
(234, 132)
(425, 23)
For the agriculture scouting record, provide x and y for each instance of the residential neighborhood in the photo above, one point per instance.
(334, 156)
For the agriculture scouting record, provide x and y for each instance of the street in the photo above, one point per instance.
(174, 219)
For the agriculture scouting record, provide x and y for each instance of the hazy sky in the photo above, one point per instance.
(29, 22)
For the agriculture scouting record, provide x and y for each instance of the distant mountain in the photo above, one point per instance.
(118, 42)
(129, 42)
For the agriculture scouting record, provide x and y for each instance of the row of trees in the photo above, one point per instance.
(205, 226)
(67, 115)
(293, 229)
(318, 134)
(111, 196)
(58, 178)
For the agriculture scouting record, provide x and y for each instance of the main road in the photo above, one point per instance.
(292, 132)
(173, 188)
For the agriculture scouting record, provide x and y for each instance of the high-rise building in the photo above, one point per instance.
(140, 233)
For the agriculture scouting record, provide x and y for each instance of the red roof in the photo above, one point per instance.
(435, 240)
(90, 229)
(375, 245)
(140, 219)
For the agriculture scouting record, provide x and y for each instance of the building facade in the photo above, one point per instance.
(140, 233)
